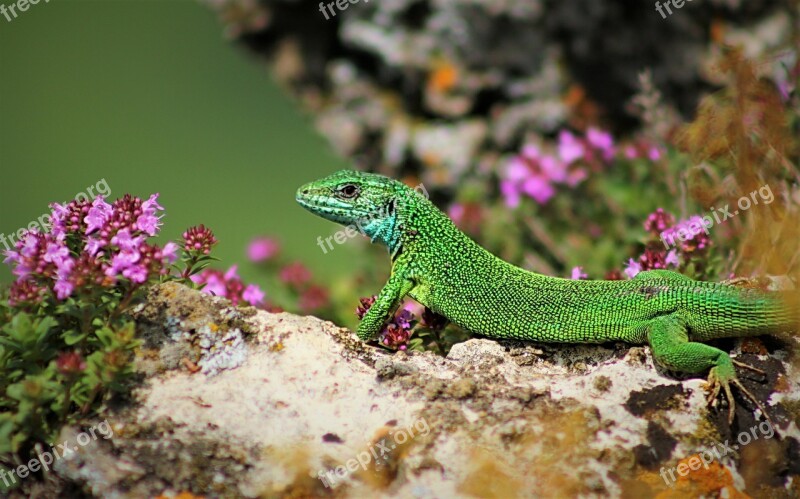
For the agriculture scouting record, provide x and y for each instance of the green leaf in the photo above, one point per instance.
(73, 337)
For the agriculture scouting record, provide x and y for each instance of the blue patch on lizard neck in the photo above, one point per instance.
(383, 229)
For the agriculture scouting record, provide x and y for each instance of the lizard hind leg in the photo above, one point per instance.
(669, 341)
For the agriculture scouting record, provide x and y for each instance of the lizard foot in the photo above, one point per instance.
(748, 367)
(720, 378)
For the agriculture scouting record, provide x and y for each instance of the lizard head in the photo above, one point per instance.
(365, 200)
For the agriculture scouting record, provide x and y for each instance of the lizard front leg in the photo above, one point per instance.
(387, 302)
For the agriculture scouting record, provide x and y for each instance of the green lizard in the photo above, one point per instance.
(436, 264)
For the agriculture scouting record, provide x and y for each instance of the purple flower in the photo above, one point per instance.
(632, 268)
(214, 285)
(98, 215)
(538, 188)
(136, 273)
(672, 258)
(577, 273)
(149, 224)
(510, 193)
(30, 244)
(125, 242)
(532, 174)
(93, 245)
(602, 141)
(56, 253)
(690, 233)
(151, 206)
(658, 221)
(122, 261)
(262, 249)
(570, 149)
(12, 257)
(170, 252)
(403, 319)
(63, 288)
(253, 295)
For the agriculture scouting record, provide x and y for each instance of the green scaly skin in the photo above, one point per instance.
(440, 267)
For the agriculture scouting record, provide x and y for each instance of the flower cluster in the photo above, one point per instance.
(199, 239)
(662, 228)
(689, 232)
(396, 333)
(89, 244)
(653, 258)
(229, 285)
(536, 174)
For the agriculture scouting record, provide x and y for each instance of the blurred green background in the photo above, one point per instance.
(153, 98)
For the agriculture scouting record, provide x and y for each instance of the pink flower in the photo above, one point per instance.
(125, 242)
(151, 206)
(295, 274)
(122, 261)
(55, 253)
(577, 273)
(148, 224)
(214, 285)
(539, 189)
(12, 257)
(262, 249)
(98, 215)
(136, 273)
(570, 149)
(632, 268)
(658, 221)
(599, 139)
(170, 252)
(510, 193)
(63, 288)
(672, 258)
(93, 245)
(253, 295)
(231, 273)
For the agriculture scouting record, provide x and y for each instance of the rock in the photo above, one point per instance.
(309, 410)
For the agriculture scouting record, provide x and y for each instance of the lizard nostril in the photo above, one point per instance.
(305, 191)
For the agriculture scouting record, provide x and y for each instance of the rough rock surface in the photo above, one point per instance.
(300, 397)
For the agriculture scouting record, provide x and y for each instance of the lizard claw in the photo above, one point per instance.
(717, 381)
(748, 367)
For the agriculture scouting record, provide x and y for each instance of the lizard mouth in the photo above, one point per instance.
(329, 207)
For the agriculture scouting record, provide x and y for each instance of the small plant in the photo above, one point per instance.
(66, 334)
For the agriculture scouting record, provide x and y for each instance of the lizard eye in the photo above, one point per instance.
(348, 191)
